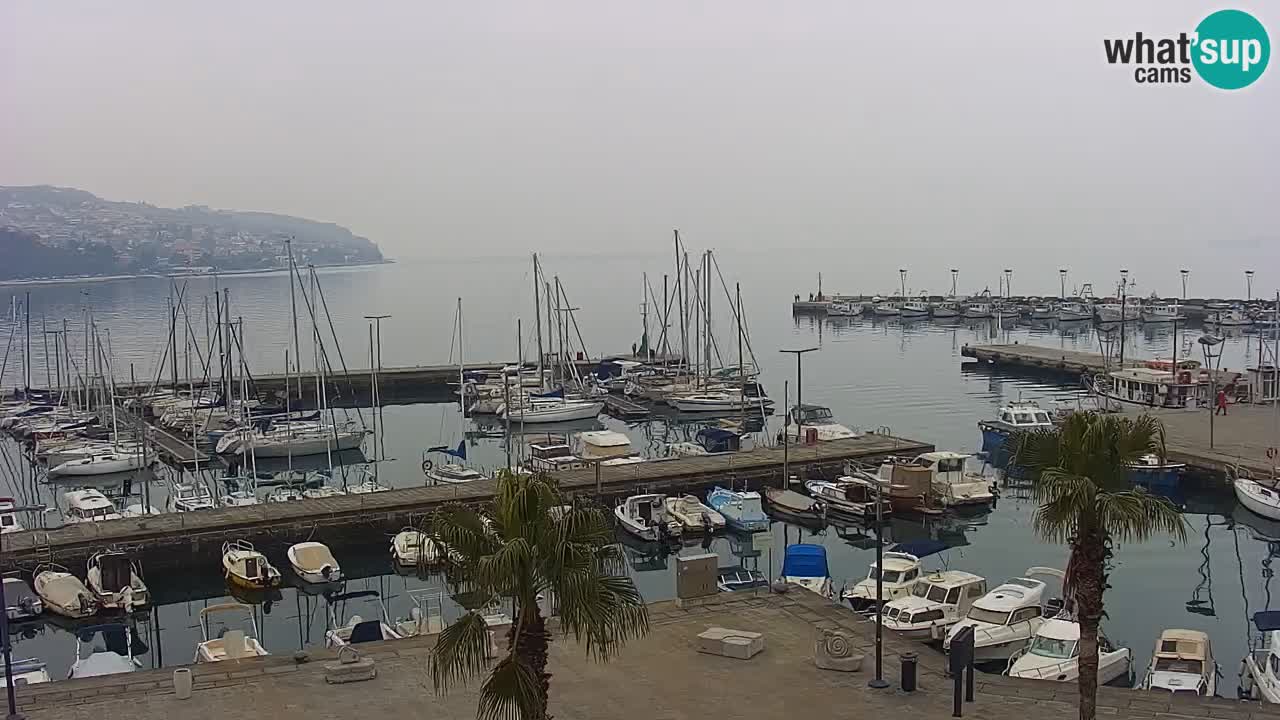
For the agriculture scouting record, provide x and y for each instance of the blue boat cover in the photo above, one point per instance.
(1267, 620)
(719, 440)
(920, 548)
(804, 560)
(557, 393)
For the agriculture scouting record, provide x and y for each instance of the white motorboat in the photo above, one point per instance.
(1005, 619)
(1020, 416)
(645, 516)
(20, 602)
(103, 650)
(1115, 312)
(550, 410)
(8, 516)
(742, 510)
(367, 486)
(242, 496)
(805, 565)
(115, 582)
(952, 484)
(246, 567)
(886, 308)
(1074, 311)
(105, 464)
(284, 493)
(1043, 312)
(847, 495)
(88, 505)
(314, 563)
(845, 309)
(1005, 311)
(1054, 654)
(189, 497)
(978, 311)
(899, 576)
(1258, 498)
(814, 422)
(353, 629)
(1160, 313)
(717, 402)
(27, 671)
(234, 640)
(451, 474)
(320, 492)
(693, 515)
(914, 309)
(63, 593)
(1182, 663)
(938, 601)
(411, 547)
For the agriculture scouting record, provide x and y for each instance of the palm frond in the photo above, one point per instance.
(601, 610)
(512, 692)
(460, 652)
(1136, 515)
(463, 529)
(509, 565)
(1063, 500)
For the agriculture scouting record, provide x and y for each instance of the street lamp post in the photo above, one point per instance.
(878, 682)
(955, 273)
(799, 387)
(8, 659)
(1062, 283)
(1008, 282)
(1210, 345)
(1248, 285)
(1185, 272)
(902, 275)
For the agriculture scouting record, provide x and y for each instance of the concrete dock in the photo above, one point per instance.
(1040, 359)
(174, 538)
(659, 676)
(1247, 437)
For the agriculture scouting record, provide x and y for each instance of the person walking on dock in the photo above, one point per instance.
(1222, 403)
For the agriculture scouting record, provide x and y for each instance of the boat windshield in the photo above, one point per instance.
(1194, 667)
(1053, 647)
(936, 593)
(889, 576)
(993, 617)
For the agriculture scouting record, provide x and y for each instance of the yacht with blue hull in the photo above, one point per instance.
(1012, 419)
(1151, 471)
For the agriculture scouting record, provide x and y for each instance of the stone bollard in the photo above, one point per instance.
(182, 683)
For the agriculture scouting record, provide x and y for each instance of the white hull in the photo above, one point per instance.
(913, 312)
(716, 404)
(1257, 499)
(1111, 666)
(561, 413)
(267, 448)
(98, 466)
(977, 315)
(1072, 316)
(945, 313)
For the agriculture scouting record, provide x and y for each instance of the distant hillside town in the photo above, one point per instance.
(52, 232)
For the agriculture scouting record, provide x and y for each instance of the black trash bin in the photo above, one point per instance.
(909, 662)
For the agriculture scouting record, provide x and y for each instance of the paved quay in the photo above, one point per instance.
(1241, 438)
(660, 677)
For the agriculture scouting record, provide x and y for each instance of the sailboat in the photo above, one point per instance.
(452, 473)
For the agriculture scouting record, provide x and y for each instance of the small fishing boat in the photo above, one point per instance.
(351, 628)
(793, 506)
(105, 464)
(693, 515)
(234, 640)
(319, 492)
(604, 445)
(1182, 663)
(1115, 312)
(806, 565)
(899, 576)
(978, 311)
(63, 593)
(951, 484)
(411, 547)
(741, 510)
(28, 671)
(1020, 416)
(451, 474)
(285, 493)
(88, 505)
(854, 497)
(1043, 311)
(645, 516)
(845, 309)
(907, 486)
(189, 497)
(1228, 318)
(1151, 471)
(114, 579)
(1054, 654)
(1074, 312)
(8, 516)
(246, 567)
(314, 563)
(814, 422)
(103, 650)
(21, 603)
(738, 579)
(1006, 618)
(939, 600)
(886, 308)
(946, 309)
(1160, 313)
(243, 495)
(369, 485)
(914, 309)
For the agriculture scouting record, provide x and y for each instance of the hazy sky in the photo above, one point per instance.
(500, 127)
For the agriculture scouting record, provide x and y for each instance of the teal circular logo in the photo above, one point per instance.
(1232, 49)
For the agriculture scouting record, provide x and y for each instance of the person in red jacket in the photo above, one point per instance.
(1222, 403)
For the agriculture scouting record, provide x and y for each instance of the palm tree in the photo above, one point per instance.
(1086, 500)
(527, 544)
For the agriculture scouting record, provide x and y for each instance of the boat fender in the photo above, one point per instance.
(426, 466)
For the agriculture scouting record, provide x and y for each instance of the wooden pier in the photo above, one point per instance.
(1043, 359)
(172, 539)
(623, 408)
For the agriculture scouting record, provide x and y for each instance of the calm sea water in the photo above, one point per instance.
(904, 375)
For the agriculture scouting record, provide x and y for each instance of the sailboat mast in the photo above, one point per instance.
(26, 353)
(551, 338)
(706, 289)
(462, 403)
(644, 312)
(742, 370)
(537, 317)
(680, 296)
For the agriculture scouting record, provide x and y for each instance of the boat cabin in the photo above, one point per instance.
(1158, 388)
(937, 600)
(604, 444)
(810, 415)
(1264, 383)
(553, 456)
(1024, 416)
(89, 506)
(8, 518)
(1182, 663)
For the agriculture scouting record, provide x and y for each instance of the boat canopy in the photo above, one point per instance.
(719, 440)
(805, 560)
(920, 548)
(1267, 620)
